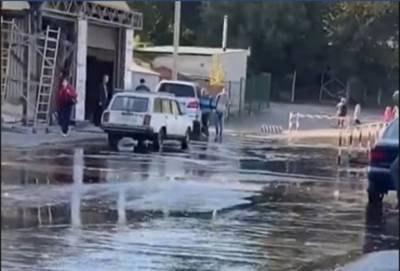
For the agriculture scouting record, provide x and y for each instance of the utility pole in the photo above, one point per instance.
(293, 86)
(177, 26)
(225, 33)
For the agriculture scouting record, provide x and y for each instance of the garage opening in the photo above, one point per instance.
(96, 69)
(101, 58)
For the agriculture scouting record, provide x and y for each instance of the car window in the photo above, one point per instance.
(177, 89)
(157, 105)
(392, 132)
(166, 107)
(130, 103)
(175, 108)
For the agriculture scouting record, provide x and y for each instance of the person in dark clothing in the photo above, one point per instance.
(102, 101)
(142, 86)
(66, 99)
(206, 108)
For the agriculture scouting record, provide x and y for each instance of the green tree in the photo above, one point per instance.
(363, 39)
(158, 21)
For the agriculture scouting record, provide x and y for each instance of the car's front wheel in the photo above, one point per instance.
(186, 140)
(375, 197)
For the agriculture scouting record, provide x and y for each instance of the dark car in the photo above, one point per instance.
(381, 158)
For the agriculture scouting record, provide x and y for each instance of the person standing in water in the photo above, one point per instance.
(221, 105)
(341, 112)
(356, 114)
(66, 99)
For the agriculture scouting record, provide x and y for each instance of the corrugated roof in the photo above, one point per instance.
(137, 68)
(120, 5)
(187, 50)
(14, 5)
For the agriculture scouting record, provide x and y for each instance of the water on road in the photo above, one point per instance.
(240, 205)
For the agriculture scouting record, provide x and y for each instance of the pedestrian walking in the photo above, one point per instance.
(341, 112)
(142, 86)
(356, 114)
(206, 108)
(66, 99)
(221, 103)
(102, 99)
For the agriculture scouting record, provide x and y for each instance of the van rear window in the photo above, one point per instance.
(178, 90)
(131, 104)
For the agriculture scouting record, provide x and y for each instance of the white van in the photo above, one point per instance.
(188, 95)
(146, 116)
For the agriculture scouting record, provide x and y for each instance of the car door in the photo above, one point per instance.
(158, 119)
(178, 124)
(168, 117)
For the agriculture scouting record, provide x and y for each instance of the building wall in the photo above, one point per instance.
(234, 65)
(187, 64)
(152, 80)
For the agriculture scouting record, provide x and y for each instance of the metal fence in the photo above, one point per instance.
(249, 95)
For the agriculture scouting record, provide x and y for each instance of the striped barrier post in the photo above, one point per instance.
(290, 121)
(271, 129)
(351, 137)
(369, 138)
(297, 121)
(339, 156)
(360, 138)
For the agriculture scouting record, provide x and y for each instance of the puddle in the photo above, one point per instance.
(240, 205)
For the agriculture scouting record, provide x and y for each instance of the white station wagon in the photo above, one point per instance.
(146, 116)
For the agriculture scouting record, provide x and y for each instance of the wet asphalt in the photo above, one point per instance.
(237, 205)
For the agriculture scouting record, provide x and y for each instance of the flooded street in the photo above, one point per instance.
(239, 205)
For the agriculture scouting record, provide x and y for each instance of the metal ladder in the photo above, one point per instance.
(7, 30)
(46, 81)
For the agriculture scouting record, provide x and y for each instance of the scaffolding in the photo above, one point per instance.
(21, 51)
(7, 28)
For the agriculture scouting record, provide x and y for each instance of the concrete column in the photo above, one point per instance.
(128, 57)
(81, 56)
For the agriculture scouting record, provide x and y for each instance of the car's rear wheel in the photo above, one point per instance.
(113, 141)
(158, 140)
(375, 197)
(186, 140)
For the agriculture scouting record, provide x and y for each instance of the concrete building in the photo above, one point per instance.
(195, 63)
(96, 38)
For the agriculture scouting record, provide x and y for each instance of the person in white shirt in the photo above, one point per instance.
(221, 105)
(356, 114)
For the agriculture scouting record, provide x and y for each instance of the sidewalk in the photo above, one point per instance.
(19, 137)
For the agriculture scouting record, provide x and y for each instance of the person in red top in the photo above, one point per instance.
(66, 99)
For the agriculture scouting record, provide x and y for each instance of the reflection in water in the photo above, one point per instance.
(77, 187)
(121, 206)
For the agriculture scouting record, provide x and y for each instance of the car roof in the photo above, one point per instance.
(187, 83)
(144, 94)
